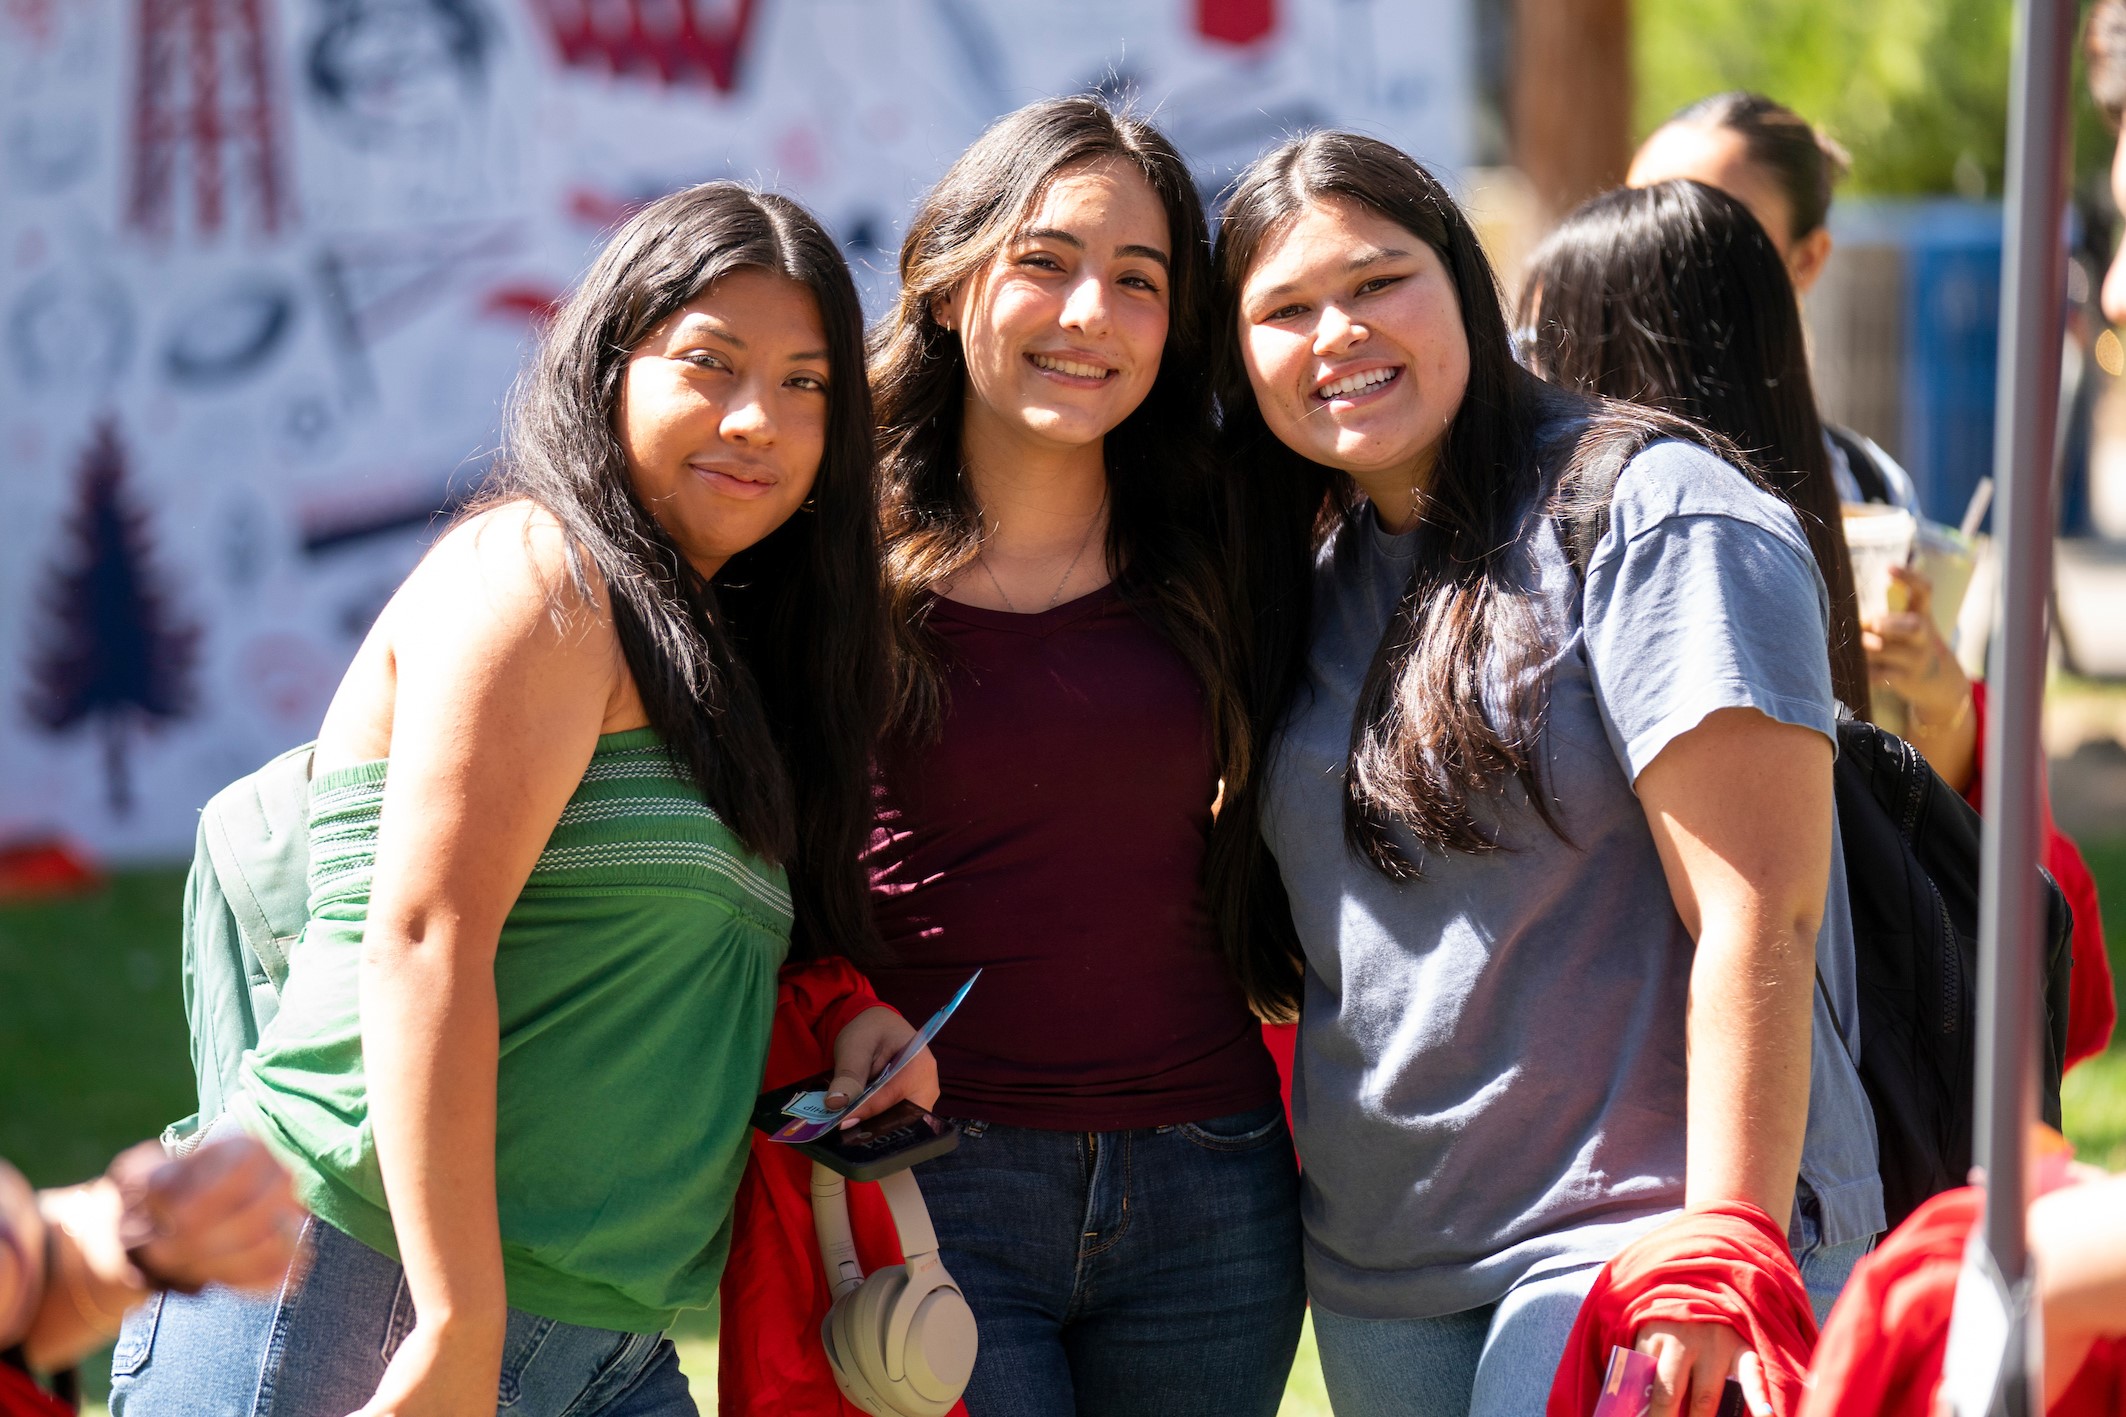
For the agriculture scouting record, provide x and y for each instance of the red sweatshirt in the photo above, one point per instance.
(774, 1293)
(1725, 1264)
(1881, 1354)
(2092, 1009)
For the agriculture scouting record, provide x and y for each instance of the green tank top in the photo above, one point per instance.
(636, 977)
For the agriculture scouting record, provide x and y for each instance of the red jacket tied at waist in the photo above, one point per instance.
(774, 1292)
(1882, 1351)
(1723, 1264)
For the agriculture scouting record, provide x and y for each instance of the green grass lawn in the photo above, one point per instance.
(93, 1054)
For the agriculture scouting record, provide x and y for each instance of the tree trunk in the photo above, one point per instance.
(117, 780)
(1571, 99)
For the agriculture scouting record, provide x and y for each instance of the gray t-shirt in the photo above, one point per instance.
(1490, 1072)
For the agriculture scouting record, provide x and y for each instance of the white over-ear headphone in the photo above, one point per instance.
(901, 1342)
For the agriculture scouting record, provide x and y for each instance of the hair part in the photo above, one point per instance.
(766, 685)
(1803, 161)
(1674, 297)
(2104, 47)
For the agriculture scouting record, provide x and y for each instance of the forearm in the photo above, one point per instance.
(2078, 1239)
(1748, 1034)
(1947, 737)
(89, 1282)
(430, 1040)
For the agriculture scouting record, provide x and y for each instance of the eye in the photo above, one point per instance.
(704, 359)
(811, 383)
(1145, 283)
(1281, 313)
(1377, 284)
(1040, 260)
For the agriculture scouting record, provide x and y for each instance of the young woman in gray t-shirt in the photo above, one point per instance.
(1556, 831)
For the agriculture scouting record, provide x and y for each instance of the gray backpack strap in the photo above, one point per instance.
(256, 831)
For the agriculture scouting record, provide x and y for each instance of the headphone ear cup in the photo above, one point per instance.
(939, 1355)
(844, 1360)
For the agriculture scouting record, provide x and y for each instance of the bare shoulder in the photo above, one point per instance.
(510, 570)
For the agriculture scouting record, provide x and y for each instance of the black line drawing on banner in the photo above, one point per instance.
(229, 334)
(203, 100)
(70, 330)
(243, 537)
(49, 150)
(303, 427)
(326, 529)
(110, 651)
(389, 73)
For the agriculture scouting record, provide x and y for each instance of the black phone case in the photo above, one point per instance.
(874, 1148)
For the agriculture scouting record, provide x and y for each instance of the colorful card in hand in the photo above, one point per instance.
(813, 1117)
(1628, 1386)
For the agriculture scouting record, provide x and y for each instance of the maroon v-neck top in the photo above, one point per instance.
(1053, 836)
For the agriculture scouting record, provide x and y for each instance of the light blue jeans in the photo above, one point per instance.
(319, 1347)
(1498, 1360)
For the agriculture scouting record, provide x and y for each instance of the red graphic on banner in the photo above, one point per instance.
(1235, 21)
(674, 41)
(204, 104)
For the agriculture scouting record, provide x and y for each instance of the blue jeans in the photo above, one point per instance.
(318, 1349)
(1151, 1272)
(1498, 1360)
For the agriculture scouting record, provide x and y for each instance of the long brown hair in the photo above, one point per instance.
(767, 685)
(1159, 546)
(1425, 744)
(1674, 296)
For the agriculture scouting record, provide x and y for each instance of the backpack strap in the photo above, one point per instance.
(255, 830)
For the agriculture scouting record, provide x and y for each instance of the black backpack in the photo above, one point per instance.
(1911, 865)
(1911, 868)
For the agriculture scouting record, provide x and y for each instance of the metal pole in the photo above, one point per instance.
(2033, 282)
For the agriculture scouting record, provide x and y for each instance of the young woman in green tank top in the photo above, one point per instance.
(599, 753)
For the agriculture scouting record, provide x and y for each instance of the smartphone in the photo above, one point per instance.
(876, 1147)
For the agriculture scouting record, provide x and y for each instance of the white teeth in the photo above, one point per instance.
(1071, 366)
(1356, 383)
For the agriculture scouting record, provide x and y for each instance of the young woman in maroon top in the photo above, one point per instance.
(1122, 1211)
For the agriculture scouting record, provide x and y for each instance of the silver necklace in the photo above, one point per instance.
(1056, 597)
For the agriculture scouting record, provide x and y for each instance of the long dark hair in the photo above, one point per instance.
(1802, 161)
(1159, 546)
(1424, 743)
(767, 685)
(1674, 297)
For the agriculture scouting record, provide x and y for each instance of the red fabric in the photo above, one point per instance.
(1052, 834)
(1282, 1039)
(2092, 1008)
(1725, 1264)
(1881, 1354)
(774, 1293)
(21, 1397)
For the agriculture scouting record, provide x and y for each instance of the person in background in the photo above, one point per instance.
(1783, 169)
(599, 767)
(1780, 167)
(1674, 297)
(1122, 1209)
(74, 1260)
(1544, 1011)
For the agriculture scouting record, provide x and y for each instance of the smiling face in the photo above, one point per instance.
(723, 414)
(1352, 337)
(1063, 329)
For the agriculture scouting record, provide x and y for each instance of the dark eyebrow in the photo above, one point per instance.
(1049, 233)
(709, 325)
(807, 356)
(1356, 263)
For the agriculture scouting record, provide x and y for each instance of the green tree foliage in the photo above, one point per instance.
(1917, 90)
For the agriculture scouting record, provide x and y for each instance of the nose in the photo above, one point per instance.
(1336, 331)
(2114, 294)
(746, 420)
(1085, 309)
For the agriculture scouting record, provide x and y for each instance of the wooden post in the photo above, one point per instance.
(1570, 98)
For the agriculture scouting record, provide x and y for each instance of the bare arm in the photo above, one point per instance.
(2078, 1236)
(496, 710)
(1740, 809)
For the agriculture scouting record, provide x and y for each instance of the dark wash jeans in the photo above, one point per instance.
(1154, 1271)
(318, 1349)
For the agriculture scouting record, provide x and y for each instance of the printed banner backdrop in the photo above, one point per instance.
(267, 268)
